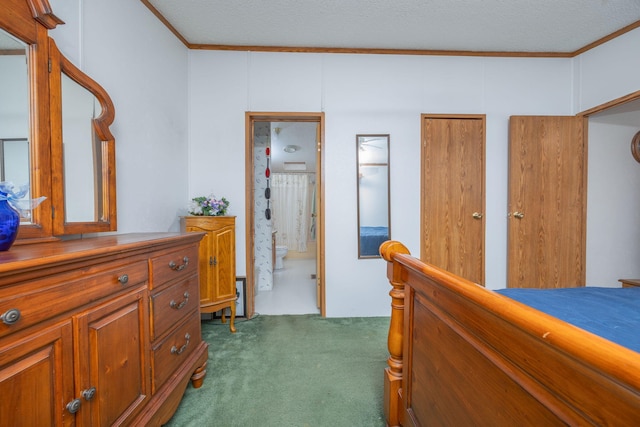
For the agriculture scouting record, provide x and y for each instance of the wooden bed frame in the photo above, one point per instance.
(462, 355)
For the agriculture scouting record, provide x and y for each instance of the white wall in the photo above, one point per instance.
(608, 71)
(613, 202)
(143, 67)
(365, 94)
(603, 74)
(180, 124)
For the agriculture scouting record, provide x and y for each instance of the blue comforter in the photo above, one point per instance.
(371, 238)
(612, 313)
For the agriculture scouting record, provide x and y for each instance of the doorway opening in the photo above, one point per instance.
(284, 210)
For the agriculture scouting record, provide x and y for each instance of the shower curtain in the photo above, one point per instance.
(291, 209)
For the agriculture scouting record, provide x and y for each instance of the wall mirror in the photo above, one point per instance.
(54, 129)
(374, 219)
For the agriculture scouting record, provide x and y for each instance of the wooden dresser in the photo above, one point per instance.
(99, 331)
(217, 263)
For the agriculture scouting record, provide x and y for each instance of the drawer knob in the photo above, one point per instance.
(176, 267)
(124, 279)
(74, 406)
(10, 317)
(89, 393)
(175, 350)
(175, 305)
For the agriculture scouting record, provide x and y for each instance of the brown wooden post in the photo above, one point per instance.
(393, 373)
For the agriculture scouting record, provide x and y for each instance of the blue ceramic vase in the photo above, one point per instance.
(9, 223)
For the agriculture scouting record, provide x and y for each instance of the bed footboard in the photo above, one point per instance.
(463, 355)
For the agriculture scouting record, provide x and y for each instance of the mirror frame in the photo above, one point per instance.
(388, 195)
(30, 21)
(106, 185)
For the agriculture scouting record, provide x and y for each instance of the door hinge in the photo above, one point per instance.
(53, 212)
(49, 65)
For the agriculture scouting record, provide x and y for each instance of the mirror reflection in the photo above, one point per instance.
(374, 225)
(14, 112)
(82, 153)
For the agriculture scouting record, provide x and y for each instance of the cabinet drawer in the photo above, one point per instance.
(170, 352)
(174, 265)
(44, 299)
(171, 304)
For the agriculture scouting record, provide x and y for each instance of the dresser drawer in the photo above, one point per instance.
(170, 352)
(171, 304)
(173, 265)
(40, 300)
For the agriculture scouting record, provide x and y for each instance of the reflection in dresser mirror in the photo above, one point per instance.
(14, 112)
(374, 226)
(81, 150)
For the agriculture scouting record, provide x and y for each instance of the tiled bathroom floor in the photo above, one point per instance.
(294, 291)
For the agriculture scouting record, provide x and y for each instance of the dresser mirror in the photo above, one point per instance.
(55, 126)
(374, 226)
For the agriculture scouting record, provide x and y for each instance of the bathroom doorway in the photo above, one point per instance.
(284, 229)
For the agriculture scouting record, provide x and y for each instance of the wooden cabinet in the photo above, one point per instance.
(217, 263)
(84, 324)
(630, 283)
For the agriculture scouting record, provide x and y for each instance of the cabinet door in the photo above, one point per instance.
(205, 268)
(224, 264)
(36, 378)
(112, 355)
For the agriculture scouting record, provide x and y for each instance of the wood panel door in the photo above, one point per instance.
(547, 202)
(36, 378)
(224, 263)
(114, 378)
(452, 194)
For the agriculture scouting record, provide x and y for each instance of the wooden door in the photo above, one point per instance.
(114, 378)
(318, 220)
(36, 378)
(547, 202)
(453, 159)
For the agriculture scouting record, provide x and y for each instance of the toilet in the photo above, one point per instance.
(281, 252)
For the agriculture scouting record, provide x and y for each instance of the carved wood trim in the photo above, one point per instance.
(106, 117)
(42, 13)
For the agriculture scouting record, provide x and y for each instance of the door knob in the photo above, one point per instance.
(477, 215)
(518, 215)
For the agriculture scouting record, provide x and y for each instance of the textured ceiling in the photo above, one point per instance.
(562, 26)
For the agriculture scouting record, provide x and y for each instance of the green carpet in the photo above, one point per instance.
(280, 371)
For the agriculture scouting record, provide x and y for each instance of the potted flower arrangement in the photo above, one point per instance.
(208, 206)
